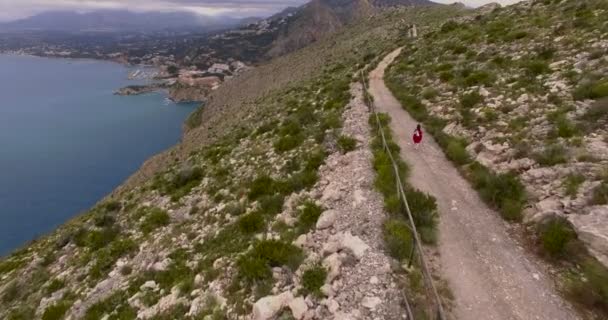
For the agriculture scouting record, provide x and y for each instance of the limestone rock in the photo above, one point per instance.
(593, 230)
(333, 264)
(298, 308)
(327, 219)
(371, 302)
(268, 307)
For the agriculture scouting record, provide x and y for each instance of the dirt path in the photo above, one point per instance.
(491, 276)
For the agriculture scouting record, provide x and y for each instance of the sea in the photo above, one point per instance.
(66, 140)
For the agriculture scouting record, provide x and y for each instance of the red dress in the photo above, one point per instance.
(417, 136)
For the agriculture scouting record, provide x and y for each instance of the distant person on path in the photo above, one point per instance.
(417, 137)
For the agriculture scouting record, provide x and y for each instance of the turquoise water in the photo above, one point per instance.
(66, 141)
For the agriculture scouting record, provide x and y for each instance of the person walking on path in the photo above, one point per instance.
(417, 137)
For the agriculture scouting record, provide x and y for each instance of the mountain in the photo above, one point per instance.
(117, 20)
(319, 18)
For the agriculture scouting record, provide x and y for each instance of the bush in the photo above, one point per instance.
(313, 279)
(456, 152)
(398, 239)
(266, 254)
(56, 311)
(262, 186)
(565, 128)
(551, 155)
(572, 183)
(593, 290)
(154, 219)
(308, 216)
(596, 116)
(252, 223)
(600, 194)
(107, 257)
(555, 235)
(478, 78)
(55, 285)
(423, 208)
(116, 304)
(289, 142)
(504, 191)
(537, 67)
(591, 90)
(429, 93)
(95, 239)
(469, 100)
(11, 292)
(346, 144)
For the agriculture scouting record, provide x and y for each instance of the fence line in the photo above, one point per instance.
(428, 280)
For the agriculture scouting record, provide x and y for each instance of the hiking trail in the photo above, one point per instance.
(490, 274)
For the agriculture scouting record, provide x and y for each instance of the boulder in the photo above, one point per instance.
(327, 219)
(268, 307)
(371, 302)
(298, 308)
(592, 229)
(354, 244)
(333, 265)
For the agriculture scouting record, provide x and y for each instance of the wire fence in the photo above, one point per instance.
(438, 311)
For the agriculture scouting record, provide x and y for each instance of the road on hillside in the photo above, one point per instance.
(491, 276)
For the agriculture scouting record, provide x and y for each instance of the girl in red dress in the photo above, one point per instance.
(417, 136)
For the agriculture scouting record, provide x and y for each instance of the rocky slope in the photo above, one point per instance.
(320, 18)
(248, 217)
(517, 97)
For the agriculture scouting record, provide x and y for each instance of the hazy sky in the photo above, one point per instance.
(14, 9)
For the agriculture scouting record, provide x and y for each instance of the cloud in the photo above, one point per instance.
(15, 9)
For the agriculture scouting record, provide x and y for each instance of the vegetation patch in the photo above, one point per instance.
(153, 219)
(347, 144)
(398, 238)
(313, 279)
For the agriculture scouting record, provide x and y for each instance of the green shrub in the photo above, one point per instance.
(253, 268)
(271, 205)
(596, 116)
(555, 235)
(290, 142)
(11, 292)
(56, 311)
(537, 67)
(429, 93)
(308, 215)
(266, 254)
(591, 90)
(398, 238)
(592, 291)
(551, 155)
(571, 184)
(478, 78)
(315, 159)
(423, 208)
(504, 191)
(565, 128)
(469, 100)
(55, 285)
(456, 151)
(252, 223)
(97, 239)
(263, 186)
(313, 279)
(107, 257)
(600, 194)
(116, 304)
(446, 76)
(346, 144)
(155, 218)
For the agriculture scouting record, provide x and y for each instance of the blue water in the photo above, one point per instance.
(66, 141)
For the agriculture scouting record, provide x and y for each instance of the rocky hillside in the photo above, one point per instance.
(265, 210)
(319, 18)
(518, 98)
